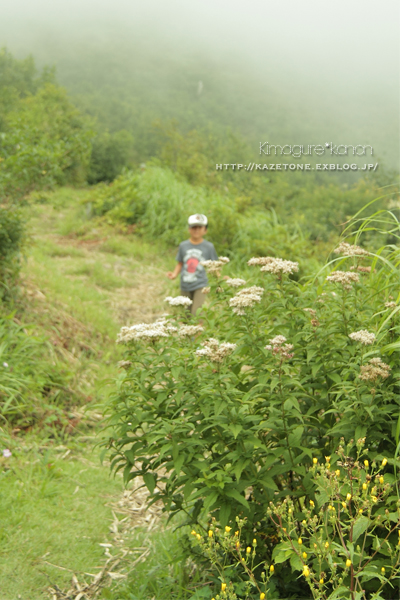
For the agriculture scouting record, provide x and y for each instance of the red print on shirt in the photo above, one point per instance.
(192, 264)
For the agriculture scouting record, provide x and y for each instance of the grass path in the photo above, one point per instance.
(82, 280)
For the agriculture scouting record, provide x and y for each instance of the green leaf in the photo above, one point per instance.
(335, 377)
(178, 462)
(295, 436)
(224, 513)
(150, 481)
(269, 483)
(295, 562)
(235, 494)
(236, 429)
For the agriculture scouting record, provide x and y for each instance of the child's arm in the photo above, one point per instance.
(173, 274)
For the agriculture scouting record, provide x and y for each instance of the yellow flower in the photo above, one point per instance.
(383, 570)
(315, 460)
(374, 499)
(248, 549)
(315, 546)
(326, 544)
(366, 463)
(237, 545)
(223, 587)
(384, 462)
(254, 542)
(236, 533)
(300, 541)
(344, 504)
(304, 522)
(321, 581)
(304, 555)
(348, 563)
(198, 536)
(381, 480)
(365, 486)
(328, 459)
(210, 534)
(284, 529)
(290, 511)
(227, 529)
(348, 497)
(360, 511)
(306, 571)
(271, 569)
(193, 532)
(337, 473)
(312, 504)
(262, 596)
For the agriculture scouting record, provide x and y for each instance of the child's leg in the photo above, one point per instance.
(198, 299)
(189, 295)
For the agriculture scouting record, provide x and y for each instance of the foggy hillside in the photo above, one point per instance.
(284, 73)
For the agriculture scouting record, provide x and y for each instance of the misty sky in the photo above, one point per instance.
(340, 59)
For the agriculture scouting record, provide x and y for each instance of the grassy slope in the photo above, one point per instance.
(82, 281)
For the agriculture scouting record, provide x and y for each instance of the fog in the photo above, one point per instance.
(288, 71)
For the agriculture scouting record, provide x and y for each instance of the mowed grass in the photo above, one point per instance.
(82, 280)
(53, 510)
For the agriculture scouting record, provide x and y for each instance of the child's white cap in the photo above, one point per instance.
(200, 220)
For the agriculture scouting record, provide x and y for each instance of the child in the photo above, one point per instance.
(190, 254)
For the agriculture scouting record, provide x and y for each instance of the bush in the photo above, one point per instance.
(227, 427)
(334, 544)
(45, 142)
(159, 202)
(110, 154)
(11, 240)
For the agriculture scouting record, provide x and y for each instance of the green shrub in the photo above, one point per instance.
(110, 154)
(45, 142)
(11, 241)
(226, 429)
(159, 202)
(346, 544)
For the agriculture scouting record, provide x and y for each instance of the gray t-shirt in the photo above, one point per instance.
(193, 274)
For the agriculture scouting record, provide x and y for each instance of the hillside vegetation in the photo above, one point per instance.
(88, 229)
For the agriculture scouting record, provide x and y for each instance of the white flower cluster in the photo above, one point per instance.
(124, 364)
(235, 282)
(206, 290)
(279, 266)
(363, 336)
(213, 267)
(269, 264)
(178, 301)
(312, 312)
(390, 304)
(374, 369)
(259, 261)
(142, 331)
(345, 278)
(189, 330)
(278, 347)
(216, 351)
(346, 249)
(246, 298)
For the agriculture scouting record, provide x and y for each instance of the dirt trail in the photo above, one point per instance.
(81, 289)
(132, 287)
